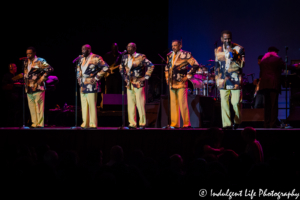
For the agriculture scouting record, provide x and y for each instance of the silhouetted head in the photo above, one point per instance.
(51, 158)
(116, 153)
(176, 162)
(273, 49)
(249, 134)
(114, 47)
(12, 68)
(259, 59)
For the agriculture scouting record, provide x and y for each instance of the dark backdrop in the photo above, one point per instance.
(58, 31)
(255, 25)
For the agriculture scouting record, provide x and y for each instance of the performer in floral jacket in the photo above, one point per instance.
(177, 74)
(91, 68)
(138, 69)
(230, 59)
(36, 71)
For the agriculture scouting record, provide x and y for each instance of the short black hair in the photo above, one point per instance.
(273, 49)
(32, 49)
(226, 32)
(178, 41)
(260, 57)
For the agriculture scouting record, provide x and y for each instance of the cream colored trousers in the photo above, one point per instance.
(36, 103)
(89, 109)
(136, 98)
(179, 103)
(236, 103)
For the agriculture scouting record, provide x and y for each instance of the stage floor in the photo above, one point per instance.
(152, 141)
(146, 129)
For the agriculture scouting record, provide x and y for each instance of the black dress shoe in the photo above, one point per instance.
(92, 128)
(142, 127)
(235, 126)
(173, 127)
(170, 127)
(131, 127)
(186, 127)
(227, 128)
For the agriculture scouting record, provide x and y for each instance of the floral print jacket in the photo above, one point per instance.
(176, 70)
(89, 72)
(137, 69)
(228, 67)
(36, 76)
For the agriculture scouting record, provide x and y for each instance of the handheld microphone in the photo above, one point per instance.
(80, 56)
(227, 45)
(125, 51)
(23, 58)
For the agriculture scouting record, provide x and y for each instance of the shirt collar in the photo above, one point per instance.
(133, 55)
(35, 59)
(177, 52)
(231, 45)
(89, 55)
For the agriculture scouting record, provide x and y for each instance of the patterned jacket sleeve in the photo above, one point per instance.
(149, 66)
(102, 67)
(167, 68)
(240, 57)
(217, 64)
(193, 62)
(46, 68)
(79, 72)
